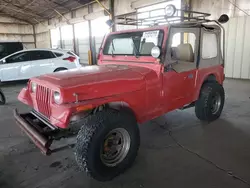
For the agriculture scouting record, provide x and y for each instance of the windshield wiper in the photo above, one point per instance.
(136, 50)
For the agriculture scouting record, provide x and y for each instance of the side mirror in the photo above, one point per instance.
(223, 18)
(110, 23)
(156, 52)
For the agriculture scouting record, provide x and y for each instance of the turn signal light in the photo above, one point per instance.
(84, 108)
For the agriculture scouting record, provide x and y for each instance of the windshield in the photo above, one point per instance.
(133, 44)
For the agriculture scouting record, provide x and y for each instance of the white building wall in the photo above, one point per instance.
(237, 63)
(120, 6)
(126, 6)
(219, 7)
(14, 30)
(43, 40)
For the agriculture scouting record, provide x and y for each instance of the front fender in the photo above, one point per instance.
(135, 100)
(24, 97)
(61, 114)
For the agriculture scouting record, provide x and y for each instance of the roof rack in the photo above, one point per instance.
(161, 16)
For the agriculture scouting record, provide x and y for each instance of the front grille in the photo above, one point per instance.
(43, 98)
(43, 119)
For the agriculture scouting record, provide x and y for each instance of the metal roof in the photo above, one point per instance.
(35, 11)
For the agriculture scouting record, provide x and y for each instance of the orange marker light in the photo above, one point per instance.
(83, 108)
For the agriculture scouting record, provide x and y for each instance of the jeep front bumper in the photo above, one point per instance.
(40, 140)
(41, 132)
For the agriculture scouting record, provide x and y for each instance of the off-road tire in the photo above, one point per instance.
(60, 69)
(203, 106)
(2, 98)
(91, 136)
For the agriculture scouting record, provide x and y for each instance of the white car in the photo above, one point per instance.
(26, 64)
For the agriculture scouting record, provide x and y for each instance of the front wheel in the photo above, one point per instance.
(211, 102)
(2, 98)
(107, 143)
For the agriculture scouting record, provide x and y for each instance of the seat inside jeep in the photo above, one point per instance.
(184, 55)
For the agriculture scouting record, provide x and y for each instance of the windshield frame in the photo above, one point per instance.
(110, 38)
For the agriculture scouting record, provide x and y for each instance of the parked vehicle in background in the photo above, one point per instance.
(2, 98)
(30, 63)
(7, 48)
(141, 74)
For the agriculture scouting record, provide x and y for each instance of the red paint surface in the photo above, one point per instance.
(139, 82)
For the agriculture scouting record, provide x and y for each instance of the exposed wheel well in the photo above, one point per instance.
(115, 105)
(119, 105)
(210, 78)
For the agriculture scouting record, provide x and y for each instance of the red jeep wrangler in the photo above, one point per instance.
(141, 74)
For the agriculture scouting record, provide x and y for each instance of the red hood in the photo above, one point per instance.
(96, 81)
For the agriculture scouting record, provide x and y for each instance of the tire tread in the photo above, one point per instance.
(90, 126)
(202, 110)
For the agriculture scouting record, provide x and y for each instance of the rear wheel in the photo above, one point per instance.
(107, 144)
(211, 102)
(60, 69)
(2, 98)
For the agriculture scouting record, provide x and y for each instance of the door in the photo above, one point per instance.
(180, 70)
(42, 62)
(11, 66)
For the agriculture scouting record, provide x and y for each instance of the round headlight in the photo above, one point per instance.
(33, 87)
(57, 97)
(156, 52)
(170, 10)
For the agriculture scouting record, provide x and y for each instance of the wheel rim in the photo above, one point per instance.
(216, 103)
(115, 147)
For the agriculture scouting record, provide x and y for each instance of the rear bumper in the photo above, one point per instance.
(39, 139)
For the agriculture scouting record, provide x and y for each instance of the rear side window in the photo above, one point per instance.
(58, 54)
(40, 55)
(20, 57)
(209, 46)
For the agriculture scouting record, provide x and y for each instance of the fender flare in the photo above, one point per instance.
(213, 77)
(117, 105)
